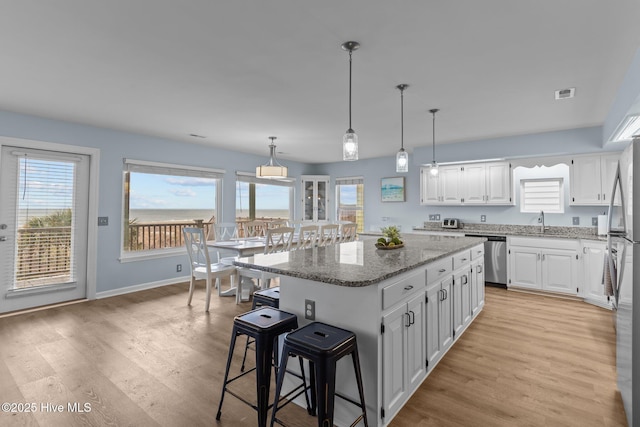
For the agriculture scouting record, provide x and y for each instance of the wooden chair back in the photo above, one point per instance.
(278, 240)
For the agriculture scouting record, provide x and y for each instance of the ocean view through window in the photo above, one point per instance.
(350, 200)
(262, 199)
(160, 200)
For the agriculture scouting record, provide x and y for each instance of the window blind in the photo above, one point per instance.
(541, 195)
(142, 166)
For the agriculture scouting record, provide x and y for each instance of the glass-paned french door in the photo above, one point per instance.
(43, 227)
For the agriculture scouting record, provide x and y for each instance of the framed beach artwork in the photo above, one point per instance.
(392, 189)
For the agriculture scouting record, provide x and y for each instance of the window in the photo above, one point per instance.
(542, 195)
(161, 199)
(350, 200)
(263, 199)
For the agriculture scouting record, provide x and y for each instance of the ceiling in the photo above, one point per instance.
(237, 72)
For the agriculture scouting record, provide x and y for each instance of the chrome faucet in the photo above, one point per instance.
(541, 222)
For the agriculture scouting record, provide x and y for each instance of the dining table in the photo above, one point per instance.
(230, 250)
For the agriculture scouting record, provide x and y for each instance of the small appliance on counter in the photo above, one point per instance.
(451, 223)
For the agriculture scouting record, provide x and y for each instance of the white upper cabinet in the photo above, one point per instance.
(592, 179)
(468, 184)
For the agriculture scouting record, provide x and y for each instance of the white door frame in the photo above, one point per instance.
(94, 173)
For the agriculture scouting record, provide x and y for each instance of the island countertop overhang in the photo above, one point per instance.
(359, 263)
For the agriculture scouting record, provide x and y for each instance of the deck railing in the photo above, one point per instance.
(42, 252)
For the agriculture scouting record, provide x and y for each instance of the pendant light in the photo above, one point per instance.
(402, 158)
(350, 139)
(434, 166)
(273, 169)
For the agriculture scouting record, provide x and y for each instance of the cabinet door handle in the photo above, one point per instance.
(584, 250)
(465, 280)
(538, 257)
(408, 288)
(543, 256)
(441, 295)
(603, 196)
(408, 320)
(412, 318)
(598, 196)
(479, 269)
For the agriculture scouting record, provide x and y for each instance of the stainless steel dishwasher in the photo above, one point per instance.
(495, 258)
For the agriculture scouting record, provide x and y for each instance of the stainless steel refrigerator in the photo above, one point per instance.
(624, 262)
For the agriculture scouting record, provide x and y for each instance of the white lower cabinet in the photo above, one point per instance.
(543, 264)
(461, 300)
(419, 314)
(592, 269)
(403, 342)
(439, 320)
(477, 286)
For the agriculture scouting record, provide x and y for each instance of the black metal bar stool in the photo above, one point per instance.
(323, 345)
(264, 325)
(265, 298)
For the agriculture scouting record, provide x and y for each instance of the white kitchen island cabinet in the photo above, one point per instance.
(382, 296)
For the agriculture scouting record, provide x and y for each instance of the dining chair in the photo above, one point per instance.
(276, 223)
(201, 265)
(348, 232)
(225, 231)
(307, 237)
(276, 240)
(295, 223)
(328, 234)
(254, 229)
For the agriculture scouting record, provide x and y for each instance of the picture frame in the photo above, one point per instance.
(392, 189)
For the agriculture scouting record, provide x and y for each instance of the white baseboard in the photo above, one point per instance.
(141, 287)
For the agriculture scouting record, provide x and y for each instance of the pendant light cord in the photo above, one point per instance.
(402, 119)
(350, 53)
(434, 136)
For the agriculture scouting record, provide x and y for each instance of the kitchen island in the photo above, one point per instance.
(406, 306)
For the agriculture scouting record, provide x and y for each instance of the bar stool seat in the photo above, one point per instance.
(264, 298)
(322, 345)
(263, 325)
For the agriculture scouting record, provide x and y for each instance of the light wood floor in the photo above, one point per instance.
(147, 359)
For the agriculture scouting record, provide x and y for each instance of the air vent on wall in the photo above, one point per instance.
(566, 93)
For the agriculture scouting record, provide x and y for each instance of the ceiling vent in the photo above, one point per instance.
(566, 93)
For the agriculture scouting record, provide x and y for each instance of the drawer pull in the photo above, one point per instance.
(408, 288)
(463, 259)
(442, 270)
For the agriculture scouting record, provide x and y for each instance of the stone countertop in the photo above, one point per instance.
(359, 263)
(589, 233)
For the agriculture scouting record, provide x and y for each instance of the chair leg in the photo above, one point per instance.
(206, 304)
(325, 392)
(191, 286)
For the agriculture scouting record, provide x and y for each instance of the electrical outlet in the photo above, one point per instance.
(432, 217)
(437, 217)
(483, 218)
(594, 221)
(576, 220)
(103, 220)
(178, 268)
(309, 309)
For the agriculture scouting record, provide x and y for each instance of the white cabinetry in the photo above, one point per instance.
(477, 279)
(592, 179)
(403, 340)
(592, 277)
(487, 183)
(467, 184)
(544, 264)
(442, 189)
(315, 198)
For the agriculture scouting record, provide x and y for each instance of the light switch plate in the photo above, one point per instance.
(594, 221)
(103, 220)
(576, 220)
